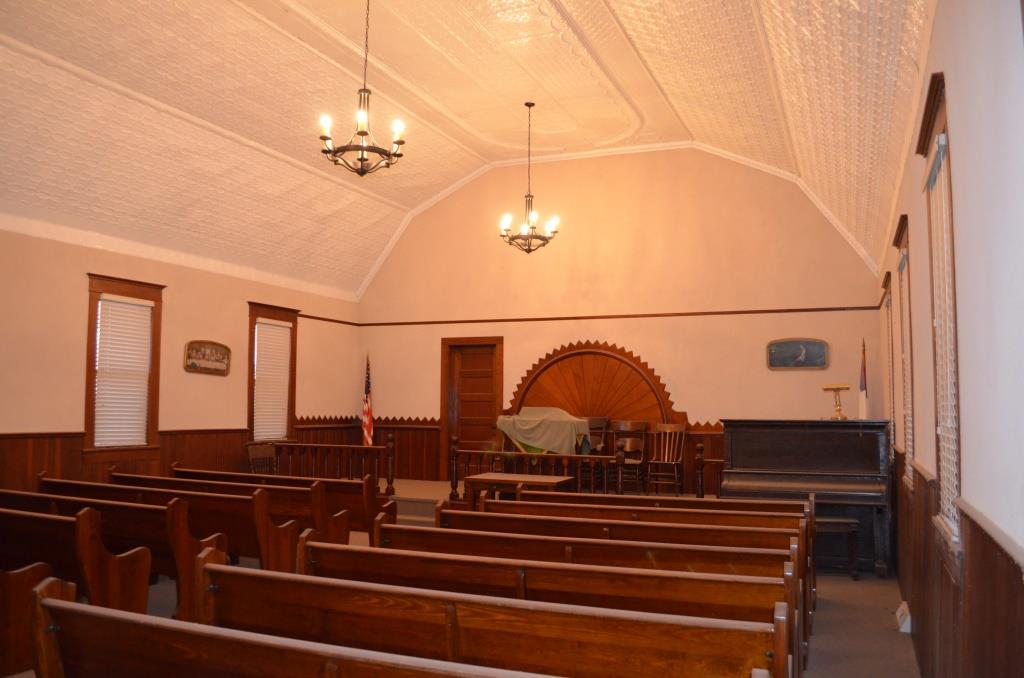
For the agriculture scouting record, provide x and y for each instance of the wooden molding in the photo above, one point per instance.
(901, 232)
(887, 281)
(932, 104)
(612, 316)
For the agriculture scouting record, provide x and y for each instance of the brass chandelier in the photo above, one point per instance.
(527, 238)
(362, 154)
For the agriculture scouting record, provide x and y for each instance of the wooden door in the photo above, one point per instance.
(471, 387)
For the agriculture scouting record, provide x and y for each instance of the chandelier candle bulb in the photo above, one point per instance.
(325, 125)
(362, 117)
(397, 130)
(506, 222)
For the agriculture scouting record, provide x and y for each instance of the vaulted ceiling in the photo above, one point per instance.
(191, 125)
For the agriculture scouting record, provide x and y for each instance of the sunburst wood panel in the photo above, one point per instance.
(596, 380)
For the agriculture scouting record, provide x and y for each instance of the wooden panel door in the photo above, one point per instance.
(471, 387)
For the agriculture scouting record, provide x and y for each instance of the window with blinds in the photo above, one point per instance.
(906, 363)
(947, 417)
(123, 360)
(271, 378)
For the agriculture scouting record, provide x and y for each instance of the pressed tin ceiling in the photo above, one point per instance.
(191, 125)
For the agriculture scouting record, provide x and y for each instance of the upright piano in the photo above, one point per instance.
(844, 463)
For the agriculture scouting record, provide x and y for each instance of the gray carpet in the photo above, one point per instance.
(855, 631)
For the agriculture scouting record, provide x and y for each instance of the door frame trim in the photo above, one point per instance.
(447, 344)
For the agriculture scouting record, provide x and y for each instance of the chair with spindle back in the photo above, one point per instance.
(262, 459)
(630, 438)
(665, 465)
(597, 426)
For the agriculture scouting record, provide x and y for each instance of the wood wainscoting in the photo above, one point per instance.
(24, 455)
(417, 440)
(966, 603)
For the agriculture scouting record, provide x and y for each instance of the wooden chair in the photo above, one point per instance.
(598, 426)
(262, 459)
(630, 438)
(665, 465)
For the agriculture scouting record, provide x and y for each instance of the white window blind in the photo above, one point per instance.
(124, 337)
(272, 370)
(906, 365)
(947, 418)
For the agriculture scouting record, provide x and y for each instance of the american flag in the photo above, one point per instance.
(862, 400)
(367, 409)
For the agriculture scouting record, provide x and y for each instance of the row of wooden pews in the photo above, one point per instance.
(557, 584)
(111, 539)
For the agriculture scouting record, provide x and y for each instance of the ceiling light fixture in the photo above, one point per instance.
(527, 238)
(364, 155)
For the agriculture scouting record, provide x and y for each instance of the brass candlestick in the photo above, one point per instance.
(836, 390)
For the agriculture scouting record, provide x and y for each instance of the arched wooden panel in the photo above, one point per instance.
(596, 380)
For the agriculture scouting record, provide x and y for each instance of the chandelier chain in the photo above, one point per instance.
(366, 43)
(529, 145)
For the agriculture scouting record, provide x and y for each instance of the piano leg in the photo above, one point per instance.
(881, 523)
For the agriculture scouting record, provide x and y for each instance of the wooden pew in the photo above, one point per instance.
(804, 508)
(73, 548)
(358, 497)
(244, 520)
(90, 642)
(644, 590)
(163, 530)
(690, 516)
(16, 603)
(502, 633)
(306, 505)
(758, 562)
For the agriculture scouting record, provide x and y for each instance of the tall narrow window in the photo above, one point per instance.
(947, 416)
(902, 243)
(272, 371)
(122, 363)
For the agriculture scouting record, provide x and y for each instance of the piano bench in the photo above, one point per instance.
(848, 526)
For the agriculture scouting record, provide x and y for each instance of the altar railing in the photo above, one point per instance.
(351, 462)
(593, 472)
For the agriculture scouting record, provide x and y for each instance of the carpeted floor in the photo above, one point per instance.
(855, 633)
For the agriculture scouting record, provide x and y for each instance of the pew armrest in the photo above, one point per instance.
(339, 527)
(381, 519)
(44, 641)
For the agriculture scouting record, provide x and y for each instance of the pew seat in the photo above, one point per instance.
(91, 642)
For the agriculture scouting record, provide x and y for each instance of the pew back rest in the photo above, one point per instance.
(665, 501)
(488, 631)
(644, 514)
(243, 519)
(617, 553)
(90, 642)
(16, 602)
(645, 590)
(719, 535)
(359, 497)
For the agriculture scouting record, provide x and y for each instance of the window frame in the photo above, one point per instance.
(280, 313)
(98, 286)
(901, 241)
(934, 125)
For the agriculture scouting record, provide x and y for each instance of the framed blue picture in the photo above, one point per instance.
(797, 354)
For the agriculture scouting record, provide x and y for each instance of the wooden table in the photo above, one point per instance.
(508, 481)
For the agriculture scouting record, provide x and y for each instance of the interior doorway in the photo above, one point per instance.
(471, 390)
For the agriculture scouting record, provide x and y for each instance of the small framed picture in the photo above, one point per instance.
(207, 357)
(797, 354)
